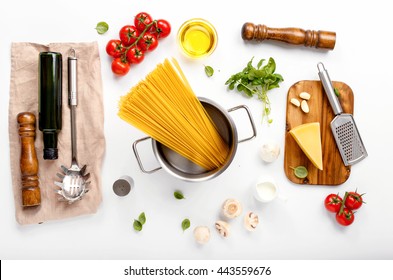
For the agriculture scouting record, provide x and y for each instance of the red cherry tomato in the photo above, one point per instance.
(120, 67)
(128, 35)
(135, 55)
(353, 201)
(114, 48)
(346, 217)
(142, 20)
(148, 42)
(333, 203)
(161, 28)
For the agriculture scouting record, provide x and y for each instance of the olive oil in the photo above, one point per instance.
(197, 38)
(50, 101)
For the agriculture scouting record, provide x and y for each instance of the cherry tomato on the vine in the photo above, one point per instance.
(353, 201)
(114, 48)
(161, 28)
(333, 203)
(346, 217)
(128, 35)
(148, 42)
(142, 20)
(135, 55)
(135, 40)
(120, 66)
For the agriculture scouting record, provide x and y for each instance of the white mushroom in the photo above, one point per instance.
(269, 152)
(231, 208)
(202, 234)
(222, 228)
(251, 221)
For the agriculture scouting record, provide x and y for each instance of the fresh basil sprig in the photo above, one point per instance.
(257, 81)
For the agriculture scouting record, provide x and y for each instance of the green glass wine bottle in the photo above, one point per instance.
(50, 101)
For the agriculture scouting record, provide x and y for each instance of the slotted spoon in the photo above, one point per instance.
(74, 183)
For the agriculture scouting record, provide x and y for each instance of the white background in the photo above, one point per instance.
(299, 228)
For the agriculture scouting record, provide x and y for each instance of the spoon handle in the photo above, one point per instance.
(72, 98)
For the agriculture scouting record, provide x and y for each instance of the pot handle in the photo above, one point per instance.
(139, 159)
(254, 130)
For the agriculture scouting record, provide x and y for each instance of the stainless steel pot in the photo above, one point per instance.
(185, 169)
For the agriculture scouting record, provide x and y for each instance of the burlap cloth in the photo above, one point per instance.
(89, 123)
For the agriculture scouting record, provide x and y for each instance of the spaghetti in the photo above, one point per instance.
(165, 107)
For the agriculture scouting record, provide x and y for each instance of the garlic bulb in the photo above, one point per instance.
(269, 152)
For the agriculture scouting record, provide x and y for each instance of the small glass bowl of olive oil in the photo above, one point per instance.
(197, 38)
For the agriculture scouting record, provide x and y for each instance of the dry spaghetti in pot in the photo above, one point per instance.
(165, 107)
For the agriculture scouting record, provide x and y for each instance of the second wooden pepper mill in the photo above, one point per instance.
(31, 195)
(295, 36)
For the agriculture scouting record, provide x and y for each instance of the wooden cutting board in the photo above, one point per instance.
(334, 171)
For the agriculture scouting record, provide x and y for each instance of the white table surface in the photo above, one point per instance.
(298, 228)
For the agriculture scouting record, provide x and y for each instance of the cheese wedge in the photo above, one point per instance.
(308, 137)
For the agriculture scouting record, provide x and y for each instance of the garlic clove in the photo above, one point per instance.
(251, 221)
(222, 228)
(305, 107)
(231, 208)
(305, 95)
(295, 102)
(202, 234)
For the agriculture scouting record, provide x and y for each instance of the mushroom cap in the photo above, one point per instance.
(231, 208)
(251, 221)
(223, 228)
(202, 234)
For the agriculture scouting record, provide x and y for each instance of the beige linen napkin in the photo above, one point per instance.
(89, 123)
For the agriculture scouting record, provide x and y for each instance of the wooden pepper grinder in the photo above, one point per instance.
(295, 36)
(31, 195)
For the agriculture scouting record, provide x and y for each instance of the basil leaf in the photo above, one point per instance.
(260, 63)
(142, 218)
(137, 225)
(300, 172)
(336, 92)
(102, 27)
(270, 67)
(178, 195)
(209, 71)
(185, 224)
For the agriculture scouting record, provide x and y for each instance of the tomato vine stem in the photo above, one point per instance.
(343, 203)
(137, 40)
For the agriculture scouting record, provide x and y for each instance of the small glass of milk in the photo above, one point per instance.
(265, 190)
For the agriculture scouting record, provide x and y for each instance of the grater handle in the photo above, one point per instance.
(327, 85)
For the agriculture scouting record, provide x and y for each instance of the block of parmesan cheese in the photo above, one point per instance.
(308, 137)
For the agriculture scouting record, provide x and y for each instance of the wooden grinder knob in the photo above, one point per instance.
(31, 195)
(295, 36)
